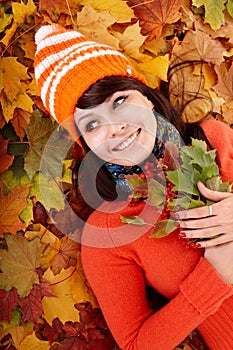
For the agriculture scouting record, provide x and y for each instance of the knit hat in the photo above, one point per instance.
(67, 63)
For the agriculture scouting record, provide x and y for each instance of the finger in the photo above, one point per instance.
(215, 241)
(201, 223)
(195, 213)
(214, 196)
(205, 233)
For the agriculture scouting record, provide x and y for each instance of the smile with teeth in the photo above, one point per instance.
(127, 142)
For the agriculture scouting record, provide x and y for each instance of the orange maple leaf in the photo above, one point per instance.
(66, 256)
(6, 159)
(20, 121)
(11, 206)
(153, 15)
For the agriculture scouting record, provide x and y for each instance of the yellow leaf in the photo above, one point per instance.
(131, 41)
(155, 70)
(13, 94)
(19, 333)
(8, 106)
(61, 306)
(12, 72)
(81, 290)
(20, 13)
(27, 43)
(5, 19)
(49, 241)
(117, 8)
(33, 343)
(94, 24)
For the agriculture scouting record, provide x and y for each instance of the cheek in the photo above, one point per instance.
(94, 139)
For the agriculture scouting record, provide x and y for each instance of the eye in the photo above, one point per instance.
(91, 125)
(118, 101)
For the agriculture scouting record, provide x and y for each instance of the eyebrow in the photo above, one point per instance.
(85, 116)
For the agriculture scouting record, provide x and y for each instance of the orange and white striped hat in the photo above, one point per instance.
(67, 63)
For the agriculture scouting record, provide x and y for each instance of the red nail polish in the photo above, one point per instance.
(177, 223)
(182, 234)
(198, 245)
(175, 215)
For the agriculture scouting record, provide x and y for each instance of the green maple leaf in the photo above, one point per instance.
(156, 193)
(185, 202)
(163, 228)
(183, 182)
(229, 7)
(48, 147)
(18, 264)
(135, 220)
(216, 184)
(213, 11)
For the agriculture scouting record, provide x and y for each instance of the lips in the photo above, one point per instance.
(127, 141)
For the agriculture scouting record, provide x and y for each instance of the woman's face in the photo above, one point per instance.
(121, 130)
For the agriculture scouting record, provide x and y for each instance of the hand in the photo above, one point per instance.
(221, 258)
(197, 223)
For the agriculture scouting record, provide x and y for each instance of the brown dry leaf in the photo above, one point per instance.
(20, 121)
(198, 46)
(66, 255)
(6, 159)
(95, 25)
(187, 88)
(155, 14)
(55, 8)
(62, 305)
(11, 206)
(224, 87)
(226, 31)
(227, 112)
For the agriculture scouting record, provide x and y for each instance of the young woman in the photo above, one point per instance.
(94, 92)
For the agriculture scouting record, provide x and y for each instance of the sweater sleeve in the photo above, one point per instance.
(220, 137)
(119, 285)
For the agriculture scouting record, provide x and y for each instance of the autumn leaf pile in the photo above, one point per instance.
(184, 46)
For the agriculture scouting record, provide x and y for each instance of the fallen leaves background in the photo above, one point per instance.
(183, 46)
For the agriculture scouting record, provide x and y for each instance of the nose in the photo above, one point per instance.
(117, 129)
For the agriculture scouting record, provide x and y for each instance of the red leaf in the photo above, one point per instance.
(9, 300)
(31, 305)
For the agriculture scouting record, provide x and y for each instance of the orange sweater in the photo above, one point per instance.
(119, 260)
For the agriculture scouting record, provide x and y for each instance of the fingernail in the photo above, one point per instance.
(182, 234)
(177, 223)
(175, 215)
(198, 245)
